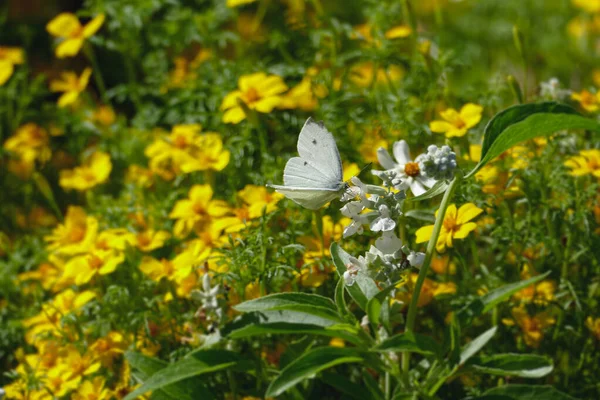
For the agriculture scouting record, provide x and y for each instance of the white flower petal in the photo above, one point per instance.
(384, 158)
(401, 152)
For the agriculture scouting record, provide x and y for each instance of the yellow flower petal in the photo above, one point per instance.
(467, 212)
(63, 25)
(464, 230)
(234, 115)
(424, 233)
(6, 71)
(471, 114)
(67, 99)
(93, 26)
(440, 126)
(69, 47)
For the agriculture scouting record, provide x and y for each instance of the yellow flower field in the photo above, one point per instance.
(300, 199)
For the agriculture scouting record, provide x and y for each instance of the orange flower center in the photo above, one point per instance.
(459, 123)
(180, 142)
(143, 240)
(95, 262)
(252, 95)
(76, 234)
(199, 209)
(412, 169)
(450, 224)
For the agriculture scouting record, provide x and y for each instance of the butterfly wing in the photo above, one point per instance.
(316, 145)
(310, 198)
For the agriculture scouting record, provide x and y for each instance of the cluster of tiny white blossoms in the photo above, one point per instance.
(379, 207)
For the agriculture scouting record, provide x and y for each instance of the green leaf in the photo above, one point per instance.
(340, 300)
(347, 387)
(437, 189)
(522, 122)
(343, 331)
(409, 341)
(374, 310)
(300, 302)
(421, 215)
(528, 392)
(491, 299)
(476, 344)
(199, 363)
(144, 367)
(521, 365)
(364, 288)
(309, 364)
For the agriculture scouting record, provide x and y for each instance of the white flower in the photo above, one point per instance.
(383, 223)
(416, 259)
(437, 163)
(353, 210)
(354, 266)
(388, 243)
(407, 172)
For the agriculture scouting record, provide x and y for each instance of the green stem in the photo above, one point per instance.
(437, 228)
(89, 52)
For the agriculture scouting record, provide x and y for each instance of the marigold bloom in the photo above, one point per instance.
(92, 173)
(92, 390)
(96, 262)
(363, 74)
(71, 85)
(68, 27)
(150, 239)
(586, 163)
(590, 102)
(197, 211)
(75, 235)
(300, 96)
(456, 225)
(429, 290)
(9, 57)
(107, 348)
(398, 32)
(29, 144)
(456, 124)
(257, 91)
(532, 326)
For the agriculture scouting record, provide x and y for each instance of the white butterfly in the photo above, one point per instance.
(315, 178)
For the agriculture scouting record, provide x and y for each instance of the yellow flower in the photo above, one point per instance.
(92, 390)
(593, 325)
(237, 3)
(67, 300)
(150, 239)
(186, 150)
(590, 102)
(71, 85)
(75, 235)
(259, 200)
(586, 163)
(442, 265)
(94, 172)
(300, 96)
(9, 57)
(532, 326)
(157, 269)
(197, 211)
(456, 124)
(106, 349)
(104, 115)
(363, 74)
(591, 6)
(96, 262)
(29, 144)
(78, 365)
(456, 225)
(257, 91)
(58, 382)
(397, 32)
(68, 27)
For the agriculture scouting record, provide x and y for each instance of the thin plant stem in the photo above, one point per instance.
(437, 228)
(89, 53)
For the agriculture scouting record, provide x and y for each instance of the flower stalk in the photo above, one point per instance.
(412, 308)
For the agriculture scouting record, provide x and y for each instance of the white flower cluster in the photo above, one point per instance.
(552, 90)
(438, 163)
(380, 208)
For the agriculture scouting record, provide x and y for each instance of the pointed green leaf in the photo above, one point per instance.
(471, 348)
(437, 189)
(300, 302)
(521, 365)
(342, 331)
(529, 392)
(199, 363)
(527, 121)
(309, 364)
